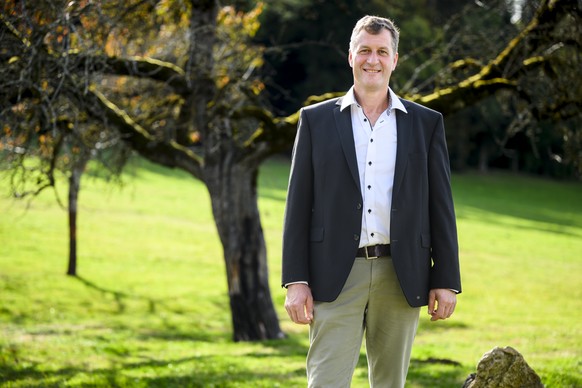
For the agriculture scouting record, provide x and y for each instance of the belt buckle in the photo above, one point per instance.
(369, 257)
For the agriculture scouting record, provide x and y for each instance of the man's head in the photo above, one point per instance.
(374, 25)
(373, 54)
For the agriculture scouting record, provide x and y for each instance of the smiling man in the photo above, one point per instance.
(369, 230)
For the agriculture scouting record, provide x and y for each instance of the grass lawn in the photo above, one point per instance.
(150, 307)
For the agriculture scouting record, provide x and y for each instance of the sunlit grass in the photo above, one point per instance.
(150, 305)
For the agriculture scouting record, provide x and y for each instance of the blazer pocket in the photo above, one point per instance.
(316, 234)
(425, 240)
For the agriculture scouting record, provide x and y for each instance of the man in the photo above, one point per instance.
(369, 231)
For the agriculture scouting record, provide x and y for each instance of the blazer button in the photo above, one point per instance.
(359, 206)
(356, 236)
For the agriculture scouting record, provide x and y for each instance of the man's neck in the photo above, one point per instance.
(373, 103)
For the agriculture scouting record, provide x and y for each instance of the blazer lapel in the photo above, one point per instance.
(404, 132)
(343, 121)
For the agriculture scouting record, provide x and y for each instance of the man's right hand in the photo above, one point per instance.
(299, 303)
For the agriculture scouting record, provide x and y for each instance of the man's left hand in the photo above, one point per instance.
(441, 303)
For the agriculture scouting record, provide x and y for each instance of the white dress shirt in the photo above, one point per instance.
(376, 155)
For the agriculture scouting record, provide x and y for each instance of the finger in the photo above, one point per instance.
(309, 309)
(446, 311)
(440, 313)
(431, 302)
(295, 317)
(298, 314)
(301, 318)
(292, 311)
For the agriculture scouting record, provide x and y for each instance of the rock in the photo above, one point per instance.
(503, 368)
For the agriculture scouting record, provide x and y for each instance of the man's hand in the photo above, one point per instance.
(441, 303)
(299, 303)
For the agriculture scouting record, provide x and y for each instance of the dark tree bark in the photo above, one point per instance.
(233, 192)
(74, 188)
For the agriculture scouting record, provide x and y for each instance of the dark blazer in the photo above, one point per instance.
(323, 213)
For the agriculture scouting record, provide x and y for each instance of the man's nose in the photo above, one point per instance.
(373, 58)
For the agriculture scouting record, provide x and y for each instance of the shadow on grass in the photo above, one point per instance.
(205, 371)
(192, 371)
(430, 372)
(120, 296)
(426, 325)
(247, 369)
(436, 373)
(171, 331)
(529, 198)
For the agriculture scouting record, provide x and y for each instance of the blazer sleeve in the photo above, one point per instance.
(445, 271)
(298, 208)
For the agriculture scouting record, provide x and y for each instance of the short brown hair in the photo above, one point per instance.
(374, 25)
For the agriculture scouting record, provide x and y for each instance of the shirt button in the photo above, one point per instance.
(371, 140)
(369, 187)
(369, 163)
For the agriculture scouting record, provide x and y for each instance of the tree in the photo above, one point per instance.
(177, 82)
(84, 54)
(532, 77)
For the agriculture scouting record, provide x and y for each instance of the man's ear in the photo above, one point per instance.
(350, 58)
(395, 62)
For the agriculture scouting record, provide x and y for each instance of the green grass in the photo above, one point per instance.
(150, 306)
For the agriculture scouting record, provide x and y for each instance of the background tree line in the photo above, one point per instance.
(214, 90)
(534, 129)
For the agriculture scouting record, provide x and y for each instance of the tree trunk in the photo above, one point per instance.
(74, 187)
(233, 192)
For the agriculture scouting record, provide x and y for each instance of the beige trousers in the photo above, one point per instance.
(371, 303)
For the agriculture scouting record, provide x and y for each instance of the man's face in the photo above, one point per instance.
(372, 61)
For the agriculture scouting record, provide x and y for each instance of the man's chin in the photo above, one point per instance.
(371, 87)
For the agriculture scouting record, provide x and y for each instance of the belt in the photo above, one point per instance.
(374, 251)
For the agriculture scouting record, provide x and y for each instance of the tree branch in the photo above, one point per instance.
(169, 154)
(141, 67)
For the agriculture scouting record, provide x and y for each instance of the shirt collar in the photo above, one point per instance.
(350, 99)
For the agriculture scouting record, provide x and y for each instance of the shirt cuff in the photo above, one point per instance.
(298, 282)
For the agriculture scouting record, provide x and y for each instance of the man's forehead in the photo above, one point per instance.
(382, 39)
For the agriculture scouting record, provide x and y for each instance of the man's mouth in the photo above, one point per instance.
(371, 71)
